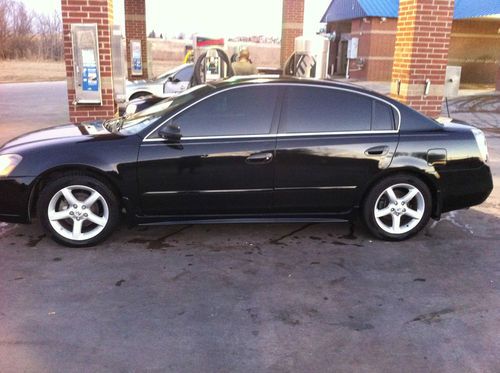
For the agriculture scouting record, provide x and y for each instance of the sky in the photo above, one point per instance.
(216, 18)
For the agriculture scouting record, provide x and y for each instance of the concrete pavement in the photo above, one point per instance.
(26, 107)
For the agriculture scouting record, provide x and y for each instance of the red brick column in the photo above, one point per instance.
(99, 12)
(135, 28)
(293, 26)
(422, 43)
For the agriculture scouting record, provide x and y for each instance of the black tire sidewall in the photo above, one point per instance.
(376, 191)
(55, 186)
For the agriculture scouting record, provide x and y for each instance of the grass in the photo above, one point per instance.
(15, 71)
(18, 71)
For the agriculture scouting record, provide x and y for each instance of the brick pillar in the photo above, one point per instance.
(422, 43)
(135, 29)
(98, 12)
(293, 26)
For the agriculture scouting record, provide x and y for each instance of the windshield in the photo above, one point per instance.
(170, 72)
(135, 123)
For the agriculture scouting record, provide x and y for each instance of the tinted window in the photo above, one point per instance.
(383, 116)
(185, 74)
(240, 111)
(135, 123)
(313, 109)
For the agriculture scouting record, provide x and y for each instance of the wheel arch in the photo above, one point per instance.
(53, 173)
(139, 93)
(429, 180)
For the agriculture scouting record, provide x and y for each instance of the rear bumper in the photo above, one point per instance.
(15, 199)
(462, 189)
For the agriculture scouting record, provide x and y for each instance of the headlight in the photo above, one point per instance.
(131, 108)
(8, 162)
(481, 143)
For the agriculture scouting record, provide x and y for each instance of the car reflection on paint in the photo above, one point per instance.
(171, 82)
(247, 150)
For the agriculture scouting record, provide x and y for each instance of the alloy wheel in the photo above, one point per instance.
(78, 212)
(399, 208)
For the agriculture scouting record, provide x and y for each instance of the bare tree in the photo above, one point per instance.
(5, 29)
(22, 33)
(25, 34)
(49, 36)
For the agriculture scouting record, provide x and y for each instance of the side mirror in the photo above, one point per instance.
(170, 132)
(172, 79)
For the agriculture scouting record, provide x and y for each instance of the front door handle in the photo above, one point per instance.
(377, 150)
(259, 158)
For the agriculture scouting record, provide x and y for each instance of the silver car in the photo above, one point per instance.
(171, 82)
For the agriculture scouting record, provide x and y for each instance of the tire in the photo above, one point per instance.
(71, 222)
(397, 208)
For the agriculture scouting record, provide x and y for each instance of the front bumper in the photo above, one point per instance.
(15, 199)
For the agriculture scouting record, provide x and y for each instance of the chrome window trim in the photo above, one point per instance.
(296, 134)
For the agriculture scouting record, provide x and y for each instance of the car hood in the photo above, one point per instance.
(71, 130)
(143, 82)
(138, 82)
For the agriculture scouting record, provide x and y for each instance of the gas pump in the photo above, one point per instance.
(87, 79)
(118, 60)
(212, 62)
(310, 59)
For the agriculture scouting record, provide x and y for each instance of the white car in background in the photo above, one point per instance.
(171, 82)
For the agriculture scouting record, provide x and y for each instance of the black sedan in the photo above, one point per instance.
(247, 150)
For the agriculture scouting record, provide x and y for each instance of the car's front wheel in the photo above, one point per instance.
(78, 210)
(398, 207)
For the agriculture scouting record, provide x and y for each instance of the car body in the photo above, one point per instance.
(248, 150)
(171, 82)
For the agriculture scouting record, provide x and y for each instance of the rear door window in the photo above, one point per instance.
(319, 110)
(316, 109)
(383, 116)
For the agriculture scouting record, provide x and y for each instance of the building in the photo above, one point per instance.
(474, 42)
(415, 48)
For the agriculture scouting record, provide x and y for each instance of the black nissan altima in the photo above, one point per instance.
(247, 150)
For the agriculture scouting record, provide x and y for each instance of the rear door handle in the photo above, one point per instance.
(377, 150)
(259, 158)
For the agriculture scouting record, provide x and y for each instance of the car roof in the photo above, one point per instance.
(284, 79)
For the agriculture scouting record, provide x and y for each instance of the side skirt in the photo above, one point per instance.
(252, 219)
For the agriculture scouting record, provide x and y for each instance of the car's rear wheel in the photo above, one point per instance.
(78, 210)
(398, 207)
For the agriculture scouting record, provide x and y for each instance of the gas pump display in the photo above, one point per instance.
(136, 56)
(90, 80)
(86, 64)
(212, 65)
